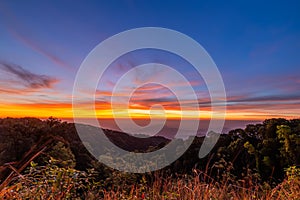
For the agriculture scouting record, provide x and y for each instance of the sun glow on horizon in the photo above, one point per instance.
(65, 111)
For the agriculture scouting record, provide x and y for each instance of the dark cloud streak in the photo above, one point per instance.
(27, 78)
(271, 98)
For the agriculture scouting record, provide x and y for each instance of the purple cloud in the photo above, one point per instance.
(25, 78)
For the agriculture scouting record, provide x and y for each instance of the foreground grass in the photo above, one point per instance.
(52, 182)
(196, 190)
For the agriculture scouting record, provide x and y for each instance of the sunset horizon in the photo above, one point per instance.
(257, 58)
(116, 72)
(148, 100)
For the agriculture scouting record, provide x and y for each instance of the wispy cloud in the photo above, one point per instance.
(16, 77)
(15, 28)
(269, 98)
(37, 48)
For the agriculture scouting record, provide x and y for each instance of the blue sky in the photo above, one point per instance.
(255, 45)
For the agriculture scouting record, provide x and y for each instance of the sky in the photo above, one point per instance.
(255, 45)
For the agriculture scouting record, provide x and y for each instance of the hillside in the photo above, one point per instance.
(260, 154)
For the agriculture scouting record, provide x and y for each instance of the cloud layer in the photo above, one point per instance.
(16, 79)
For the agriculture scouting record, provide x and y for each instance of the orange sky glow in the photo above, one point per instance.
(256, 54)
(65, 111)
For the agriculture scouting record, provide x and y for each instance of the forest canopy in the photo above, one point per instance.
(264, 152)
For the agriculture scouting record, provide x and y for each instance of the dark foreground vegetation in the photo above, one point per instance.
(47, 160)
